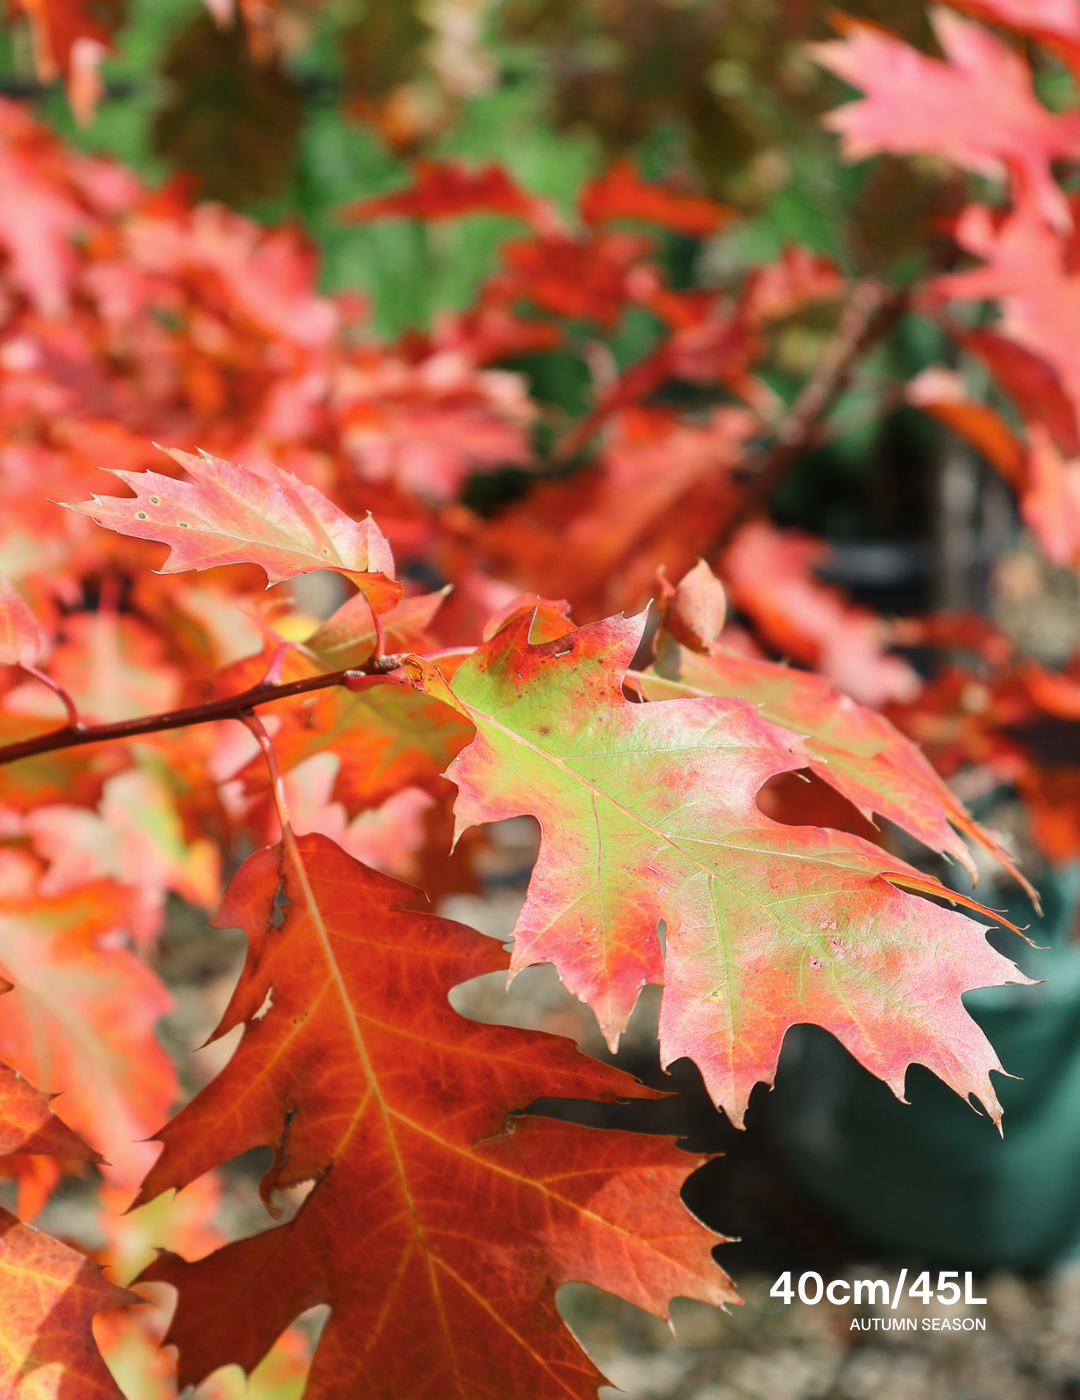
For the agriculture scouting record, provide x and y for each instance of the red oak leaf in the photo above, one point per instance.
(447, 190)
(977, 109)
(620, 193)
(28, 1124)
(1030, 269)
(51, 1293)
(1053, 23)
(230, 515)
(355, 1067)
(855, 750)
(649, 817)
(694, 610)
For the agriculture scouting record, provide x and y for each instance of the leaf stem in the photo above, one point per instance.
(277, 783)
(74, 722)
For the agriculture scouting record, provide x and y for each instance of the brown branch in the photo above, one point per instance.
(871, 311)
(230, 707)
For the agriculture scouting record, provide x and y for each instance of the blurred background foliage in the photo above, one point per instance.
(287, 109)
(317, 103)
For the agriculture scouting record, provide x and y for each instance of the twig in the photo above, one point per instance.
(870, 312)
(230, 707)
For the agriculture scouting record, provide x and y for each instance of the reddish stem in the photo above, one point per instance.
(277, 783)
(231, 707)
(74, 722)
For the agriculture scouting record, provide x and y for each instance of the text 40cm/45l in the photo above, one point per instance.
(812, 1289)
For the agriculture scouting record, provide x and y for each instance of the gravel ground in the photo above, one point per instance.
(764, 1350)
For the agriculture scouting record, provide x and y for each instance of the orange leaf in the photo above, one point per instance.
(940, 393)
(28, 1124)
(770, 576)
(354, 1067)
(51, 1293)
(81, 1020)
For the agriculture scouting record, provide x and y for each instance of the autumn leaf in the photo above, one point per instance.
(230, 515)
(855, 750)
(136, 838)
(771, 576)
(81, 1019)
(648, 815)
(695, 608)
(21, 637)
(386, 739)
(356, 1069)
(51, 1293)
(347, 637)
(940, 393)
(1051, 507)
(28, 1124)
(977, 109)
(620, 193)
(1027, 267)
(71, 37)
(448, 190)
(37, 229)
(1029, 380)
(1051, 23)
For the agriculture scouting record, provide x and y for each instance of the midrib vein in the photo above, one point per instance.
(365, 1060)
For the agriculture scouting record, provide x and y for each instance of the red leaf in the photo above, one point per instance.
(1029, 381)
(977, 109)
(37, 227)
(1053, 23)
(447, 190)
(28, 1124)
(51, 1293)
(1031, 269)
(940, 393)
(365, 1080)
(648, 816)
(230, 515)
(695, 610)
(81, 1020)
(855, 750)
(1051, 508)
(620, 193)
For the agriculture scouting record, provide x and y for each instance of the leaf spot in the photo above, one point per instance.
(140, 514)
